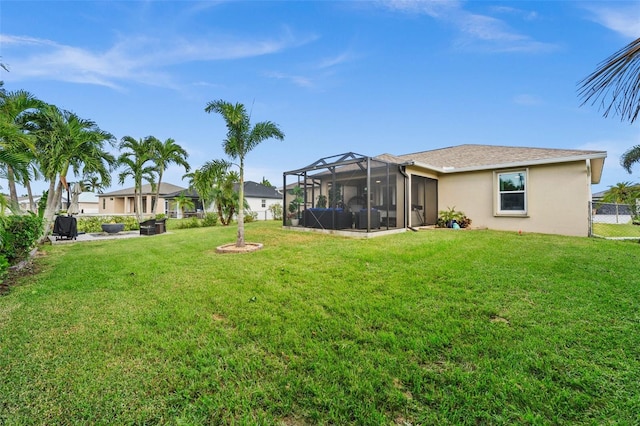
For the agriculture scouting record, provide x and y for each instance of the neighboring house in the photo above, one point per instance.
(88, 203)
(258, 196)
(23, 203)
(505, 188)
(123, 202)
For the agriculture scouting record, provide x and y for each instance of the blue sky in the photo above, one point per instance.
(367, 77)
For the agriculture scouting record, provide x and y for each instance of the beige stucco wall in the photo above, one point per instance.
(557, 199)
(125, 205)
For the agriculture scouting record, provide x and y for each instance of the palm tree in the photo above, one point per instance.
(65, 142)
(616, 83)
(241, 139)
(92, 183)
(622, 193)
(206, 178)
(164, 154)
(631, 156)
(14, 106)
(136, 159)
(183, 202)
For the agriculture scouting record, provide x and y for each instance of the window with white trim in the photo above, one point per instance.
(512, 192)
(263, 203)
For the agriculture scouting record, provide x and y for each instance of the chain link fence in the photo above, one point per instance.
(615, 221)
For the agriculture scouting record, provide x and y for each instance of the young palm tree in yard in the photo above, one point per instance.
(164, 154)
(137, 159)
(241, 139)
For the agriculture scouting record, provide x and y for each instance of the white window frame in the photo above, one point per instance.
(498, 201)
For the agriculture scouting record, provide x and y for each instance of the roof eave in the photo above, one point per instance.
(446, 170)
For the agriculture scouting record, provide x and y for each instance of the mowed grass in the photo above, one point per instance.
(613, 230)
(433, 327)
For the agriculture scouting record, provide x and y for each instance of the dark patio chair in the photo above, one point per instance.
(148, 227)
(161, 226)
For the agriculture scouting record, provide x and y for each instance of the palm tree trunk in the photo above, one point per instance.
(155, 205)
(32, 204)
(240, 241)
(11, 179)
(50, 209)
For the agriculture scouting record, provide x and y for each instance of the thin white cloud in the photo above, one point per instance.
(298, 80)
(527, 100)
(478, 32)
(139, 59)
(622, 20)
(335, 60)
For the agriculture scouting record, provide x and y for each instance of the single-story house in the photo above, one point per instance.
(259, 198)
(498, 187)
(123, 201)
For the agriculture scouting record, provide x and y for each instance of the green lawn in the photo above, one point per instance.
(429, 327)
(613, 230)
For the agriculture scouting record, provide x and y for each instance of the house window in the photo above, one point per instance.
(264, 203)
(512, 192)
(104, 203)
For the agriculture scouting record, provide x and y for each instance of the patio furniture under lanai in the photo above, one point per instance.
(340, 192)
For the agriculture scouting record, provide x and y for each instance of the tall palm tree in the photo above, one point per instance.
(137, 159)
(67, 143)
(241, 139)
(164, 154)
(14, 106)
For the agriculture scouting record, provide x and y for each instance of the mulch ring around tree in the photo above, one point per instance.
(232, 248)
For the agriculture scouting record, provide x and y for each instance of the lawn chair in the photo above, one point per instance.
(148, 227)
(161, 226)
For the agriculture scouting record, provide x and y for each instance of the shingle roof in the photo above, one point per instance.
(165, 188)
(478, 157)
(251, 190)
(257, 190)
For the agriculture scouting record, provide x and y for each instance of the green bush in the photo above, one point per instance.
(4, 267)
(210, 219)
(20, 234)
(193, 222)
(94, 223)
(448, 216)
(276, 210)
(250, 217)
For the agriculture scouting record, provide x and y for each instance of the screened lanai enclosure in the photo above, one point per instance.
(347, 192)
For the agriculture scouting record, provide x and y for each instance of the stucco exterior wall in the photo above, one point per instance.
(255, 205)
(557, 199)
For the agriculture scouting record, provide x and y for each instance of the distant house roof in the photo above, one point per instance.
(465, 158)
(165, 188)
(88, 197)
(251, 190)
(258, 190)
